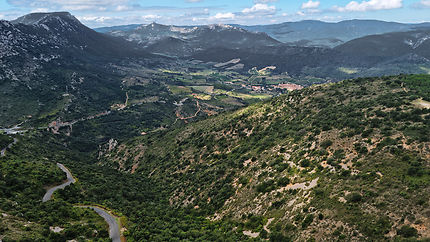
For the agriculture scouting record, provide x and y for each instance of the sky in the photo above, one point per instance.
(98, 13)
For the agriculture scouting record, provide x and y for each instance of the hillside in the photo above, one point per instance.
(310, 33)
(25, 172)
(401, 47)
(51, 64)
(336, 161)
(318, 33)
(184, 41)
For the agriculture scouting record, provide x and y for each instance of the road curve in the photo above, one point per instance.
(114, 232)
(3, 151)
(70, 180)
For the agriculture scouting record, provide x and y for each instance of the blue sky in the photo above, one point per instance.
(96, 13)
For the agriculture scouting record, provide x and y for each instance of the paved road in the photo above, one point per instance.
(114, 232)
(14, 130)
(3, 151)
(70, 180)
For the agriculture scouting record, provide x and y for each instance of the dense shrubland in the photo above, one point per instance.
(338, 161)
(364, 141)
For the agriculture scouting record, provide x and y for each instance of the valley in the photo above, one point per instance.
(214, 132)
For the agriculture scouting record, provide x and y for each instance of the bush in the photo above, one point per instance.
(305, 163)
(283, 181)
(243, 180)
(326, 143)
(407, 231)
(308, 220)
(254, 222)
(266, 186)
(354, 197)
(278, 237)
(278, 204)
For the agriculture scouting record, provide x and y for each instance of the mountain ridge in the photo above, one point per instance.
(157, 37)
(313, 32)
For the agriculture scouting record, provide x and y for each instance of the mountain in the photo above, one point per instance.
(348, 160)
(183, 41)
(62, 30)
(291, 59)
(350, 58)
(51, 62)
(214, 145)
(410, 47)
(374, 55)
(318, 33)
(117, 28)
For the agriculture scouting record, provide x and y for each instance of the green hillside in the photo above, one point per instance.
(345, 160)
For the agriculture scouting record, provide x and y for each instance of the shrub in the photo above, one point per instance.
(243, 180)
(308, 220)
(266, 186)
(305, 163)
(278, 237)
(407, 231)
(326, 143)
(283, 181)
(354, 197)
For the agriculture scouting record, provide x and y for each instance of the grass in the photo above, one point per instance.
(349, 71)
(203, 97)
(204, 89)
(242, 96)
(179, 90)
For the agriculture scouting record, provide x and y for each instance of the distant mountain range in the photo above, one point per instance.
(308, 32)
(317, 33)
(412, 45)
(184, 41)
(385, 54)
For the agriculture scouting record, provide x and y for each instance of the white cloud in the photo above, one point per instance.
(121, 8)
(260, 9)
(150, 17)
(311, 4)
(70, 5)
(40, 10)
(370, 5)
(223, 16)
(422, 4)
(265, 1)
(98, 19)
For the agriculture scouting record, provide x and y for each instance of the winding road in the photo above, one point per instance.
(70, 180)
(114, 232)
(14, 130)
(3, 151)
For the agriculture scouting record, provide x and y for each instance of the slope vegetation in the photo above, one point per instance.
(344, 160)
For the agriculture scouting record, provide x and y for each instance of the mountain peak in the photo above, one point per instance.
(220, 26)
(42, 18)
(152, 26)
